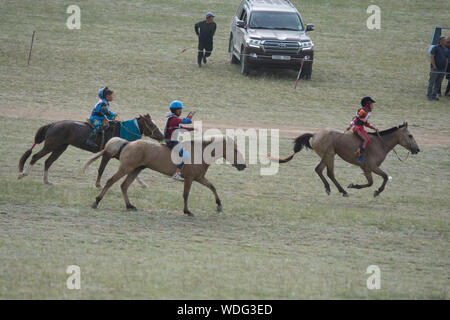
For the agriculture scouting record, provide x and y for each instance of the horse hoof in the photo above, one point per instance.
(188, 213)
(328, 192)
(219, 209)
(131, 207)
(94, 205)
(351, 185)
(48, 183)
(21, 175)
(345, 194)
(376, 193)
(144, 186)
(99, 186)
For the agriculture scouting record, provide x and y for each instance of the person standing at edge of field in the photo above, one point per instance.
(205, 31)
(447, 91)
(439, 63)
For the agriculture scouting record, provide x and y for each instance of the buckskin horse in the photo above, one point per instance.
(137, 155)
(59, 135)
(328, 143)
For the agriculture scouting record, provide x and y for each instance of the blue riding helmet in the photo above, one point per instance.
(176, 105)
(100, 92)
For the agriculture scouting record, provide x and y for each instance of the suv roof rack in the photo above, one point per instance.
(275, 2)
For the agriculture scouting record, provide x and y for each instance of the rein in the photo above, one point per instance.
(393, 149)
(148, 128)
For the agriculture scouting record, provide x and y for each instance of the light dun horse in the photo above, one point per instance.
(328, 143)
(138, 155)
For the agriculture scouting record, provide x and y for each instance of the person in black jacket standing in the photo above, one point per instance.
(205, 31)
(439, 63)
(447, 91)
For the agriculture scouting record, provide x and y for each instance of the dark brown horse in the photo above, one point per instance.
(59, 135)
(138, 155)
(328, 143)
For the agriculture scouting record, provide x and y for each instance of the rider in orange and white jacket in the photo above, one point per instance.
(360, 121)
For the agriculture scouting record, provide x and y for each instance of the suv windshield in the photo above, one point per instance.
(275, 20)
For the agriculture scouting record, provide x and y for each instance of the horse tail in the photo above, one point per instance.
(302, 141)
(299, 143)
(40, 134)
(113, 147)
(38, 138)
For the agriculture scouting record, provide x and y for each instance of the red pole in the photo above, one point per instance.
(299, 72)
(31, 48)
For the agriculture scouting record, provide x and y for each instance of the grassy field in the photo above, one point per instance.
(279, 236)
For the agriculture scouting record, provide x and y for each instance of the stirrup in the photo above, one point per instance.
(91, 143)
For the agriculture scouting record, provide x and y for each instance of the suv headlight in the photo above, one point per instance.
(305, 44)
(254, 43)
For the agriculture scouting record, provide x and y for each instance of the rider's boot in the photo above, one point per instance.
(359, 154)
(177, 175)
(91, 140)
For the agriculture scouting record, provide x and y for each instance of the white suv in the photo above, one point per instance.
(270, 33)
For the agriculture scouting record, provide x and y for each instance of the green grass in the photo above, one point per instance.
(279, 236)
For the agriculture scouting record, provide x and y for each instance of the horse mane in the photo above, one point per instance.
(388, 131)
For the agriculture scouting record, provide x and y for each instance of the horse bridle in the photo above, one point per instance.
(148, 127)
(393, 149)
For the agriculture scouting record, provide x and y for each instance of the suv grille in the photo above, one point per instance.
(276, 46)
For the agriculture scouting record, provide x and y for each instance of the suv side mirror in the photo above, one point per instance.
(241, 24)
(309, 27)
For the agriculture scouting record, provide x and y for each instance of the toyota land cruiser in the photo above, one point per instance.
(270, 33)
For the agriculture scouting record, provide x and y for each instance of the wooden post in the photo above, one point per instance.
(31, 48)
(299, 72)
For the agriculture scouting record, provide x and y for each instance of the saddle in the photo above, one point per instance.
(104, 126)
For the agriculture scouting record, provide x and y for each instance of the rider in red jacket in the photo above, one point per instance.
(359, 122)
(171, 130)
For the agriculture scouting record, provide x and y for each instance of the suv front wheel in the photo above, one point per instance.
(233, 59)
(245, 68)
(306, 72)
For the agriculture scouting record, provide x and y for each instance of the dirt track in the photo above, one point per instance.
(286, 132)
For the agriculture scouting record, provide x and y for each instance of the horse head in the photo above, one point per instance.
(235, 157)
(149, 127)
(407, 140)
